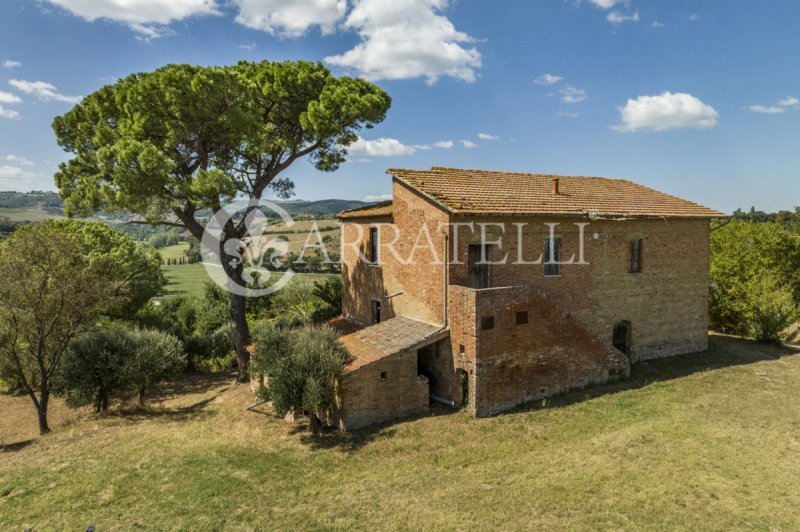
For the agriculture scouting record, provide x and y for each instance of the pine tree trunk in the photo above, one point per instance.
(141, 395)
(238, 318)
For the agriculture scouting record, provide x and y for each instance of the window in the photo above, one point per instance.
(487, 322)
(384, 375)
(461, 349)
(522, 317)
(635, 260)
(552, 257)
(376, 311)
(373, 245)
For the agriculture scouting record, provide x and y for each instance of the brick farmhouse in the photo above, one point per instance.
(489, 289)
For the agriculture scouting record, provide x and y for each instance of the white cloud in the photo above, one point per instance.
(249, 46)
(570, 94)
(468, 144)
(377, 197)
(290, 18)
(404, 39)
(8, 113)
(617, 18)
(694, 16)
(43, 90)
(8, 63)
(18, 160)
(547, 79)
(781, 107)
(657, 24)
(443, 144)
(146, 17)
(486, 136)
(606, 4)
(382, 147)
(7, 97)
(666, 111)
(772, 110)
(16, 178)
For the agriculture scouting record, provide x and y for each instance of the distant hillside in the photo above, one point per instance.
(323, 208)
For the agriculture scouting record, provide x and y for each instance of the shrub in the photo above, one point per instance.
(93, 368)
(154, 356)
(770, 308)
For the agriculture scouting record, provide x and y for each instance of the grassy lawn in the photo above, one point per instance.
(707, 441)
(188, 279)
(173, 252)
(27, 214)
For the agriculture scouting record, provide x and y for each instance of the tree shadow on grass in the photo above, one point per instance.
(723, 351)
(16, 446)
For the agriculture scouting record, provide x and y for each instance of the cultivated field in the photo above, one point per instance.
(706, 441)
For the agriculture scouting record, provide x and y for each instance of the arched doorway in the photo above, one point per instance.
(622, 337)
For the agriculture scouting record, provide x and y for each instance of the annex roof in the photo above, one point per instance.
(386, 338)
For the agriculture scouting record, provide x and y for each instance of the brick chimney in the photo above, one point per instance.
(555, 185)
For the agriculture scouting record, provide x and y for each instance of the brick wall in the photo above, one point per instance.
(512, 363)
(365, 398)
(415, 290)
(667, 303)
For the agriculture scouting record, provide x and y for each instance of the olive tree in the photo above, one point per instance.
(301, 366)
(57, 277)
(176, 144)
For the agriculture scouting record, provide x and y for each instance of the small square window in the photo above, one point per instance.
(522, 317)
(461, 349)
(384, 375)
(487, 322)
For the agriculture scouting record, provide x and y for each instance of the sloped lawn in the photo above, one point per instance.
(708, 441)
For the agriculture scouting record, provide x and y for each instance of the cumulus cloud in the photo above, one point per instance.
(9, 64)
(468, 144)
(656, 24)
(405, 39)
(16, 178)
(8, 113)
(666, 111)
(607, 4)
(570, 94)
(290, 18)
(487, 136)
(18, 160)
(443, 144)
(617, 17)
(772, 110)
(7, 97)
(148, 18)
(780, 107)
(43, 90)
(377, 197)
(382, 147)
(547, 79)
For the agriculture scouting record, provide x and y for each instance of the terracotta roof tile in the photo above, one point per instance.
(496, 193)
(370, 211)
(386, 338)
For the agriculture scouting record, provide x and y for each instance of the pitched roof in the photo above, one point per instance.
(462, 191)
(386, 338)
(370, 211)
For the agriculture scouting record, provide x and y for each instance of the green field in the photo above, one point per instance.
(27, 214)
(705, 442)
(173, 252)
(188, 279)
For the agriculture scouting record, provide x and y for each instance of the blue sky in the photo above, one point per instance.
(698, 99)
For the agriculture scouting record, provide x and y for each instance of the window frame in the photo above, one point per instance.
(374, 245)
(635, 255)
(552, 269)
